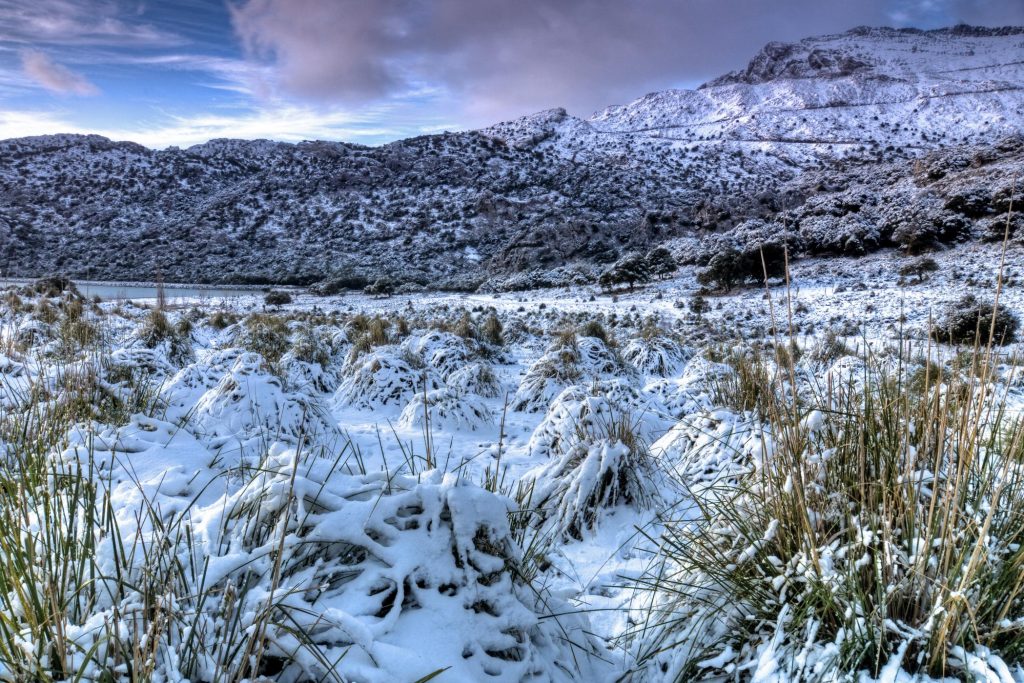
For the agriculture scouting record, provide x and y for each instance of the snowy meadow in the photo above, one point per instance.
(817, 479)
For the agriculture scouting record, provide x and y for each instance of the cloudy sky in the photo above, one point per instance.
(178, 72)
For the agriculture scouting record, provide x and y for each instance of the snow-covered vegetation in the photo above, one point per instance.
(804, 481)
(730, 390)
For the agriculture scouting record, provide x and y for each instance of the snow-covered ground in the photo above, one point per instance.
(472, 484)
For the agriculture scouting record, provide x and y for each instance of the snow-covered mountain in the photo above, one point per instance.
(866, 88)
(862, 88)
(828, 115)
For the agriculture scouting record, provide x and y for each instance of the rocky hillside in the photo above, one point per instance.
(802, 124)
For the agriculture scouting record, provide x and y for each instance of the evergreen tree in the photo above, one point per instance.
(661, 263)
(628, 270)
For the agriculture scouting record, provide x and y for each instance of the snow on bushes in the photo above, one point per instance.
(442, 352)
(597, 442)
(183, 391)
(570, 360)
(249, 408)
(381, 379)
(447, 409)
(691, 392)
(307, 572)
(654, 355)
(150, 362)
(710, 448)
(581, 409)
(407, 578)
(314, 360)
(308, 377)
(31, 332)
(596, 360)
(476, 378)
(174, 341)
(850, 234)
(594, 475)
(265, 334)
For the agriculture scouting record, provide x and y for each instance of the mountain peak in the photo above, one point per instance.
(865, 50)
(789, 60)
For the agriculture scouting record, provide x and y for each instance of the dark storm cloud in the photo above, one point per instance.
(501, 58)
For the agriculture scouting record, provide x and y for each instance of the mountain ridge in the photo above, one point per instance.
(541, 192)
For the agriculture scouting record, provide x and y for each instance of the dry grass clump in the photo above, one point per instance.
(565, 339)
(12, 301)
(222, 319)
(492, 331)
(830, 348)
(77, 335)
(267, 335)
(593, 328)
(883, 524)
(652, 329)
(158, 330)
(311, 346)
(750, 385)
(464, 326)
(45, 312)
(368, 332)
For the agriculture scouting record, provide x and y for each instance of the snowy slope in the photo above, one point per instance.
(459, 209)
(866, 86)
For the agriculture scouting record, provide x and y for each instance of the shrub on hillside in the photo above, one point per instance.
(277, 298)
(730, 267)
(630, 270)
(969, 320)
(53, 286)
(660, 262)
(997, 228)
(918, 267)
(924, 230)
(382, 286)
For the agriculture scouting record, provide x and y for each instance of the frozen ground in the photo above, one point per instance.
(414, 437)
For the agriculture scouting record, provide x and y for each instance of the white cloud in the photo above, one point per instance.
(233, 75)
(53, 76)
(16, 124)
(286, 123)
(77, 22)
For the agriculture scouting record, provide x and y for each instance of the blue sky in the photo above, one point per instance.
(178, 73)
